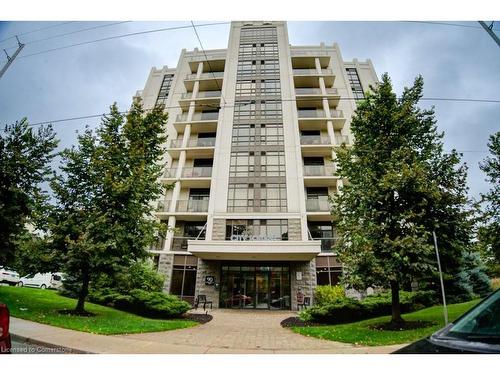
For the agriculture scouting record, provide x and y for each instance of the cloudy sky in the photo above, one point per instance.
(456, 62)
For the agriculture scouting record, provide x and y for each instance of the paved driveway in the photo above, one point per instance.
(248, 331)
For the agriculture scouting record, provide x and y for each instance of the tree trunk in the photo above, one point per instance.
(84, 291)
(396, 308)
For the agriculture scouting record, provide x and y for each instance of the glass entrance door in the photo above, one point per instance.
(255, 287)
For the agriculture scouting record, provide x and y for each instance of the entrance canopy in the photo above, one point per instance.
(255, 250)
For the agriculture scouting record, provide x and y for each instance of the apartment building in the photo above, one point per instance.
(251, 133)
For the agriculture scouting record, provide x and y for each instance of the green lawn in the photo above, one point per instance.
(42, 306)
(359, 333)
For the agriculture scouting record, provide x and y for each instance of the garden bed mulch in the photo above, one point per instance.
(294, 321)
(199, 318)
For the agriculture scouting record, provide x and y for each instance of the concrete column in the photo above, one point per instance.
(170, 234)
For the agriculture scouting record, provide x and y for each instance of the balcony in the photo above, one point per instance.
(192, 205)
(198, 147)
(319, 175)
(208, 81)
(319, 170)
(326, 243)
(214, 63)
(192, 177)
(342, 139)
(158, 245)
(307, 78)
(184, 209)
(203, 100)
(302, 59)
(313, 96)
(316, 119)
(193, 143)
(313, 145)
(200, 122)
(319, 204)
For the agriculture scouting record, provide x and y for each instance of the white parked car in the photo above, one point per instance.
(42, 280)
(8, 276)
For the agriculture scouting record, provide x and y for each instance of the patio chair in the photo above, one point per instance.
(305, 303)
(202, 298)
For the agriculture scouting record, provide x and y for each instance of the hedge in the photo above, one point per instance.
(141, 302)
(346, 310)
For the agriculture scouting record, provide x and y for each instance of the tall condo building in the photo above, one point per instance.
(251, 133)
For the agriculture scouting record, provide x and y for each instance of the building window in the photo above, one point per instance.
(183, 282)
(257, 230)
(164, 89)
(328, 275)
(324, 231)
(357, 89)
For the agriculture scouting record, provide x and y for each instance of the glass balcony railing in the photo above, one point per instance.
(319, 170)
(318, 113)
(158, 245)
(315, 91)
(198, 116)
(163, 206)
(190, 172)
(342, 139)
(312, 72)
(210, 75)
(199, 142)
(202, 94)
(326, 244)
(319, 204)
(314, 140)
(192, 205)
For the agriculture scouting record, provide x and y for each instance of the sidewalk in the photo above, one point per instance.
(230, 332)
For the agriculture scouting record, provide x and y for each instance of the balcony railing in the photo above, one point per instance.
(163, 206)
(192, 205)
(198, 116)
(314, 140)
(199, 142)
(202, 94)
(209, 75)
(312, 72)
(319, 170)
(190, 172)
(315, 91)
(318, 113)
(342, 139)
(319, 204)
(326, 243)
(158, 245)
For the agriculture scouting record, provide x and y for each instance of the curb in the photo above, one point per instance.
(65, 349)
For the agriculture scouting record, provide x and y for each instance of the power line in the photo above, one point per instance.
(121, 36)
(34, 31)
(445, 24)
(73, 32)
(208, 62)
(244, 104)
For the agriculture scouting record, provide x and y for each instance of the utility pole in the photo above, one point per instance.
(489, 30)
(10, 59)
(445, 309)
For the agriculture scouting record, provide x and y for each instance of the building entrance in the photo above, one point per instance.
(255, 286)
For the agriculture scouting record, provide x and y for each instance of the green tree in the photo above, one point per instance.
(489, 233)
(399, 187)
(25, 157)
(102, 218)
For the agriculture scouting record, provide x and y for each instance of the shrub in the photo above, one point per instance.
(152, 304)
(324, 294)
(345, 310)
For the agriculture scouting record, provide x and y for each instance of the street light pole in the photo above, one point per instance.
(445, 309)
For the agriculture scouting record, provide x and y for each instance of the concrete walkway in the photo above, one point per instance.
(230, 332)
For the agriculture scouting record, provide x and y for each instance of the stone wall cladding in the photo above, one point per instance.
(308, 282)
(219, 230)
(165, 267)
(208, 268)
(294, 230)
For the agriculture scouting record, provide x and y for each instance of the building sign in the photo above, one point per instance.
(298, 275)
(253, 237)
(209, 280)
